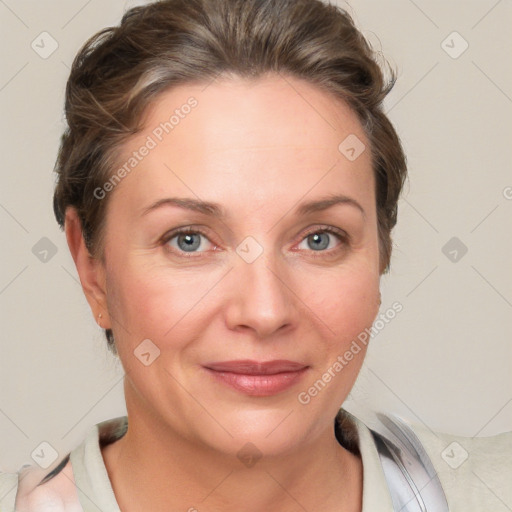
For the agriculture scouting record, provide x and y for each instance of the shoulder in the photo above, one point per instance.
(475, 472)
(27, 490)
(57, 489)
(56, 492)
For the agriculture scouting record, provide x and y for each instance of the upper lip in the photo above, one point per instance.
(248, 367)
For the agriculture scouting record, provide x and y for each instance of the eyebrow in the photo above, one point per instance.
(216, 210)
(327, 202)
(196, 205)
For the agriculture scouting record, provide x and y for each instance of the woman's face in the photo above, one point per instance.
(268, 270)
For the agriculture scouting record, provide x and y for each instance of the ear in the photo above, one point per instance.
(91, 271)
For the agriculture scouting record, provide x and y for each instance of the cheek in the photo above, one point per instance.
(152, 302)
(346, 302)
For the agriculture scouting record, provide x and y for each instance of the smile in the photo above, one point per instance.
(258, 379)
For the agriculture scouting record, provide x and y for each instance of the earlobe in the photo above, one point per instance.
(90, 270)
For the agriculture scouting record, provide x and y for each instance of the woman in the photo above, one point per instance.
(228, 185)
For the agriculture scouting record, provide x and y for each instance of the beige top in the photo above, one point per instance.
(476, 474)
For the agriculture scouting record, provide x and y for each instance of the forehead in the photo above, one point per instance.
(258, 139)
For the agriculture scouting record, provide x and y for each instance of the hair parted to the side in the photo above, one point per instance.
(121, 70)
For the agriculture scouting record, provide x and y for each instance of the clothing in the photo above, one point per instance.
(480, 482)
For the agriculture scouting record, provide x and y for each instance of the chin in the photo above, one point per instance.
(273, 432)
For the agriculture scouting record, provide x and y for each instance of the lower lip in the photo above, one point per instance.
(259, 385)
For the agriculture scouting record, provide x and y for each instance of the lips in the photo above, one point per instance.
(247, 367)
(257, 378)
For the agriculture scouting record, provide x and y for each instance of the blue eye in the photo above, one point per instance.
(320, 240)
(188, 241)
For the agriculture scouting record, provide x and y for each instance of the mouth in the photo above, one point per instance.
(257, 378)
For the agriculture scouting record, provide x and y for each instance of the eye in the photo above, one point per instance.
(190, 240)
(187, 240)
(327, 239)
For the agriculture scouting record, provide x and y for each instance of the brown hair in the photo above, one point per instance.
(121, 70)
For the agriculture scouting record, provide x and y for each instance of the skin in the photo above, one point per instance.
(259, 149)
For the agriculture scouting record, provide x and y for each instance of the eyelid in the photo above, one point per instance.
(325, 228)
(167, 237)
(342, 235)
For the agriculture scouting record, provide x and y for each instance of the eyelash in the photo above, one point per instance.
(341, 235)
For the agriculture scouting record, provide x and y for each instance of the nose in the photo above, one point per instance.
(262, 299)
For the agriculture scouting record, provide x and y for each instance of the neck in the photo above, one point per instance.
(153, 467)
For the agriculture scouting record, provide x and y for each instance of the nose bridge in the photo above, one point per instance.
(262, 301)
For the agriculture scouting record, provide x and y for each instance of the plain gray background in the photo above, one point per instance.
(444, 361)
